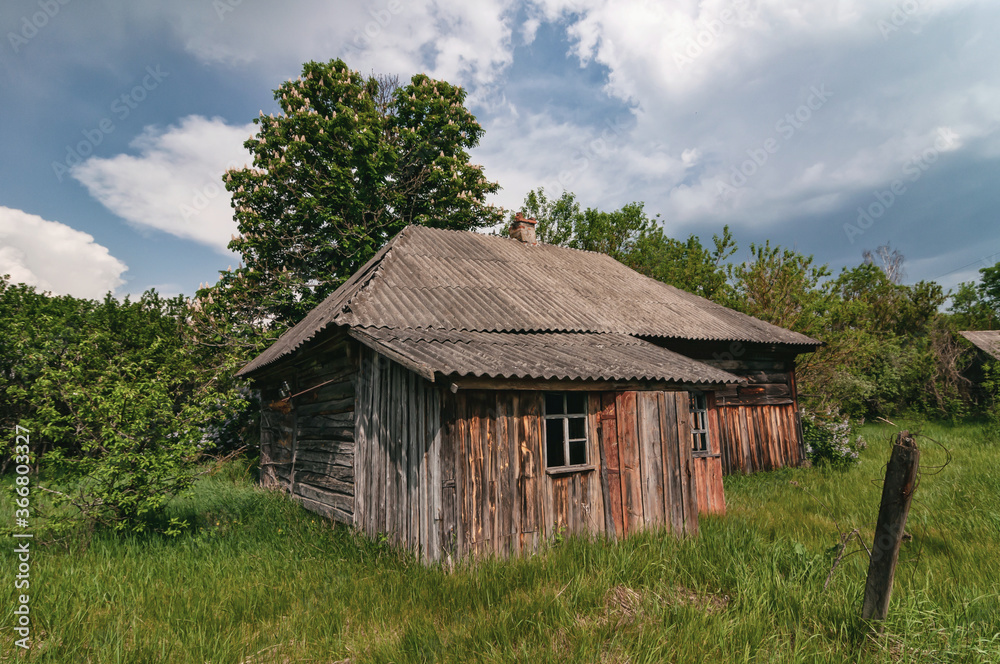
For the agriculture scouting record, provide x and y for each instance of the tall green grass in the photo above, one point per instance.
(257, 579)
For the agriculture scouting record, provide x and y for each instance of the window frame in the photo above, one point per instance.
(700, 416)
(564, 418)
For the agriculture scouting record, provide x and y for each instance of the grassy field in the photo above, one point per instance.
(257, 579)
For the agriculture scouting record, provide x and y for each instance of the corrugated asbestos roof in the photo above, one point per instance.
(455, 280)
(987, 341)
(546, 355)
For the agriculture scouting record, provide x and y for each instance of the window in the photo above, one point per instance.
(699, 423)
(565, 429)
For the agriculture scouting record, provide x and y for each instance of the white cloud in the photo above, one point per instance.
(710, 80)
(174, 184)
(467, 43)
(54, 257)
(704, 80)
(462, 42)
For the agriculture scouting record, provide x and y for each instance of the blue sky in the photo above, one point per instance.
(828, 127)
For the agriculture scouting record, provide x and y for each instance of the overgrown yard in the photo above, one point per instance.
(257, 579)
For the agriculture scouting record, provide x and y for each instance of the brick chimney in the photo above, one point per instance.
(523, 229)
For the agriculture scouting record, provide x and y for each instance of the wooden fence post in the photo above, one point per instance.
(897, 493)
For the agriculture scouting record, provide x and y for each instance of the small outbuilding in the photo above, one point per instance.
(468, 394)
(987, 349)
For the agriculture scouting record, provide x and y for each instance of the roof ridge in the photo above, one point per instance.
(509, 239)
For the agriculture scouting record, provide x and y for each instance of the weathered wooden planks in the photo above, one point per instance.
(628, 454)
(671, 441)
(651, 456)
(758, 438)
(449, 536)
(643, 471)
(448, 474)
(708, 483)
(400, 459)
(611, 475)
(530, 473)
(506, 475)
(307, 439)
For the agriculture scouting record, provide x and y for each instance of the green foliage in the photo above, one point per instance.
(348, 164)
(887, 349)
(977, 306)
(991, 386)
(685, 264)
(113, 398)
(969, 311)
(779, 286)
(35, 331)
(989, 287)
(350, 161)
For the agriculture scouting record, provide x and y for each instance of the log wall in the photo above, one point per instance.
(307, 442)
(277, 433)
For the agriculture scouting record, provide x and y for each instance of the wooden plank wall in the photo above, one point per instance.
(708, 467)
(309, 450)
(652, 461)
(499, 500)
(757, 423)
(400, 487)
(708, 482)
(759, 438)
(680, 500)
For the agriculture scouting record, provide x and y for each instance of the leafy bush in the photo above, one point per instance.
(120, 406)
(828, 438)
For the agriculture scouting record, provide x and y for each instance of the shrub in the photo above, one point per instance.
(118, 406)
(830, 440)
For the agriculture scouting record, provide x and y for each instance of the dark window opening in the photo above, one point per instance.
(699, 423)
(565, 429)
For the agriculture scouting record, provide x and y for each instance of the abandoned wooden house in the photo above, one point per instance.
(469, 394)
